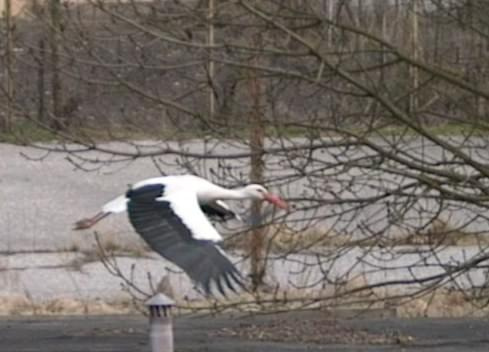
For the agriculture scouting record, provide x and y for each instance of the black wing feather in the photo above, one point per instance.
(166, 234)
(215, 211)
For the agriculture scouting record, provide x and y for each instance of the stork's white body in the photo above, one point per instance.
(185, 193)
(168, 213)
(204, 190)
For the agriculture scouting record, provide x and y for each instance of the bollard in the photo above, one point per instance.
(160, 321)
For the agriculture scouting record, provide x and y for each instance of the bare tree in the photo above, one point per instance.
(362, 115)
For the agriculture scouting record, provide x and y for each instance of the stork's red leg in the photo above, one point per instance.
(89, 222)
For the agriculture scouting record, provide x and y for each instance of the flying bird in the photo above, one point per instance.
(171, 213)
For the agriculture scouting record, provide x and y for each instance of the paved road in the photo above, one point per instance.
(129, 333)
(42, 199)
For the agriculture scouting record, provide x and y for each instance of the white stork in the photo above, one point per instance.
(171, 214)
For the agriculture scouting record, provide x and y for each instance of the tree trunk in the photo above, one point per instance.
(212, 98)
(6, 121)
(257, 135)
(40, 81)
(58, 121)
(413, 98)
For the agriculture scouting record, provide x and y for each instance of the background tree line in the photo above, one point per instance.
(71, 63)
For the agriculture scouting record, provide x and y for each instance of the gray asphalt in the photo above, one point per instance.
(43, 194)
(129, 333)
(40, 201)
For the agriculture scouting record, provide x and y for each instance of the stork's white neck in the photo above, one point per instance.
(218, 192)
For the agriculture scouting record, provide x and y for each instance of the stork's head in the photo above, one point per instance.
(258, 192)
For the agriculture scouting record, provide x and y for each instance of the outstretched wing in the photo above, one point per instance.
(175, 227)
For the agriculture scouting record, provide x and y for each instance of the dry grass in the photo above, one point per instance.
(112, 245)
(441, 232)
(337, 301)
(443, 303)
(350, 298)
(285, 239)
(281, 238)
(107, 243)
(23, 305)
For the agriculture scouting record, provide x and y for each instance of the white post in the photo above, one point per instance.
(160, 321)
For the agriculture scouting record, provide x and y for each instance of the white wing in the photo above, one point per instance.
(186, 206)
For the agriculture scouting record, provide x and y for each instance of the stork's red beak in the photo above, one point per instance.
(276, 200)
